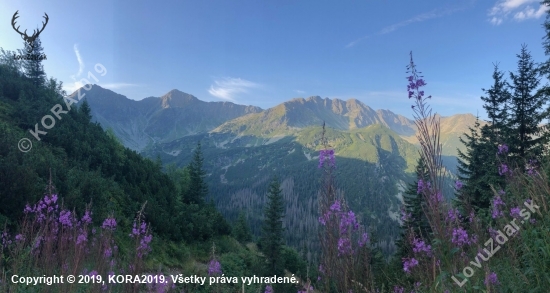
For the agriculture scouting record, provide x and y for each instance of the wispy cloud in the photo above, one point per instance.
(80, 62)
(300, 92)
(520, 9)
(436, 13)
(353, 43)
(227, 88)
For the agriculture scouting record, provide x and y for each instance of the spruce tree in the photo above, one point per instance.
(545, 66)
(272, 231)
(241, 230)
(527, 110)
(198, 189)
(472, 170)
(34, 70)
(496, 104)
(413, 209)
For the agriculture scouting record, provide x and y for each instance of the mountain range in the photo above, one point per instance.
(152, 120)
(244, 146)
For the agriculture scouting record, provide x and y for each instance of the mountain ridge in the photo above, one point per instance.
(158, 119)
(143, 123)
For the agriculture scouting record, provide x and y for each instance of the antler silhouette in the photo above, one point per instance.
(43, 25)
(15, 16)
(36, 33)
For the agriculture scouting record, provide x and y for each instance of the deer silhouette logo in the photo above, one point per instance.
(29, 39)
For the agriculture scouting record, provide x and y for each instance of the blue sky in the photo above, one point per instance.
(266, 52)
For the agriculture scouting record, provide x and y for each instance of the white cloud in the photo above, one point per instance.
(80, 62)
(227, 88)
(300, 92)
(521, 10)
(529, 12)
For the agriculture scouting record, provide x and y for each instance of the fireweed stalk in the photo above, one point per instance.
(345, 254)
(429, 254)
(455, 238)
(53, 240)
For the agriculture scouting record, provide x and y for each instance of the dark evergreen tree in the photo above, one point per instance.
(413, 216)
(34, 70)
(85, 111)
(472, 170)
(527, 113)
(198, 189)
(241, 230)
(496, 104)
(272, 230)
(545, 66)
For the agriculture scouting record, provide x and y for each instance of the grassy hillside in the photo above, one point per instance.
(97, 193)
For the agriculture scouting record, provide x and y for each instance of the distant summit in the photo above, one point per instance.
(177, 114)
(313, 111)
(158, 119)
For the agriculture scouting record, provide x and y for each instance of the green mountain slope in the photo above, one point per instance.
(372, 163)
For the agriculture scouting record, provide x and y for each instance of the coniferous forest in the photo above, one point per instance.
(82, 204)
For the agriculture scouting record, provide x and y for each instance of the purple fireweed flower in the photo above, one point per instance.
(109, 224)
(344, 246)
(492, 279)
(363, 240)
(531, 167)
(143, 227)
(408, 264)
(135, 231)
(336, 207)
(81, 239)
(87, 217)
(502, 149)
(65, 218)
(214, 267)
(460, 237)
(28, 209)
(503, 169)
(325, 155)
(514, 212)
(496, 212)
(19, 237)
(420, 186)
(268, 289)
(420, 246)
(108, 252)
(144, 245)
(5, 239)
(93, 273)
(458, 185)
(398, 289)
(348, 219)
(453, 215)
(436, 197)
